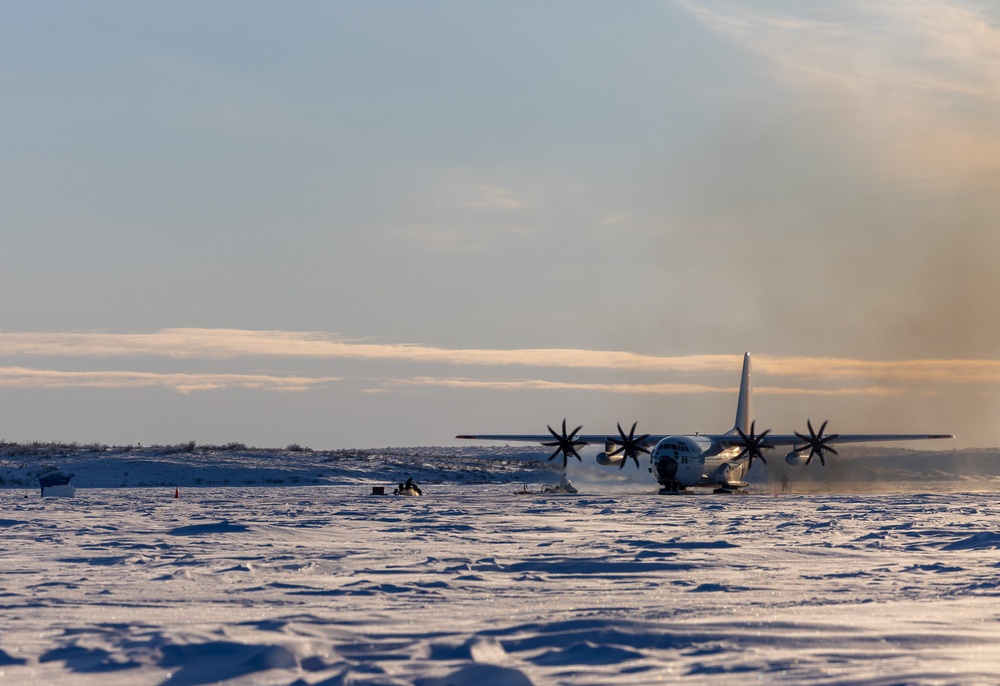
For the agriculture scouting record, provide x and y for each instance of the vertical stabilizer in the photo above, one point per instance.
(744, 406)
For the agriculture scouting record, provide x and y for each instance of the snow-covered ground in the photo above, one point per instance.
(235, 465)
(472, 584)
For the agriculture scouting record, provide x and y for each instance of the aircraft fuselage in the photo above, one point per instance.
(679, 462)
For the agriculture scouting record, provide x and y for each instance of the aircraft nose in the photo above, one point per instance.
(666, 468)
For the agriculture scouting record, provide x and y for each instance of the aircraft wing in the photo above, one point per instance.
(547, 438)
(727, 440)
(856, 438)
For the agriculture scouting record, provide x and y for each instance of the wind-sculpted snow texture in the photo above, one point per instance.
(473, 585)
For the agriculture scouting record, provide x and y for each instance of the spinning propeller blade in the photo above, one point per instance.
(816, 442)
(565, 444)
(630, 445)
(753, 445)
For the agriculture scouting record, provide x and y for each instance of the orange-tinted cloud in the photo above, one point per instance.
(633, 388)
(22, 377)
(873, 376)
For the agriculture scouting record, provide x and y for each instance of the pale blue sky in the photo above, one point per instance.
(662, 178)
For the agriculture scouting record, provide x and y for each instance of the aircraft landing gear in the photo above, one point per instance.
(671, 488)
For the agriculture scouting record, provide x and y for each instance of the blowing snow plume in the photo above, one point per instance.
(845, 204)
(891, 470)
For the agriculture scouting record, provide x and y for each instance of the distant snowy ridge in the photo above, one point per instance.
(188, 464)
(99, 466)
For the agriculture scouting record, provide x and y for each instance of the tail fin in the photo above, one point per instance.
(744, 406)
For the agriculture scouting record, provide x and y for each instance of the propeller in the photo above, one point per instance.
(753, 445)
(817, 442)
(565, 444)
(630, 445)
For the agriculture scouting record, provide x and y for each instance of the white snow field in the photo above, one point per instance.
(471, 584)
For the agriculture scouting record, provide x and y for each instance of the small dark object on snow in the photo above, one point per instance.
(408, 488)
(565, 486)
(57, 483)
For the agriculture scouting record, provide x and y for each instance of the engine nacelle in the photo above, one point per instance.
(793, 458)
(605, 461)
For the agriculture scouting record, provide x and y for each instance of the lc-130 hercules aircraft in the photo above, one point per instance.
(719, 461)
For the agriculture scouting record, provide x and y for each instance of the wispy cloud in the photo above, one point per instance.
(222, 344)
(830, 376)
(458, 217)
(925, 74)
(487, 198)
(22, 377)
(233, 343)
(636, 389)
(900, 371)
(543, 385)
(926, 46)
